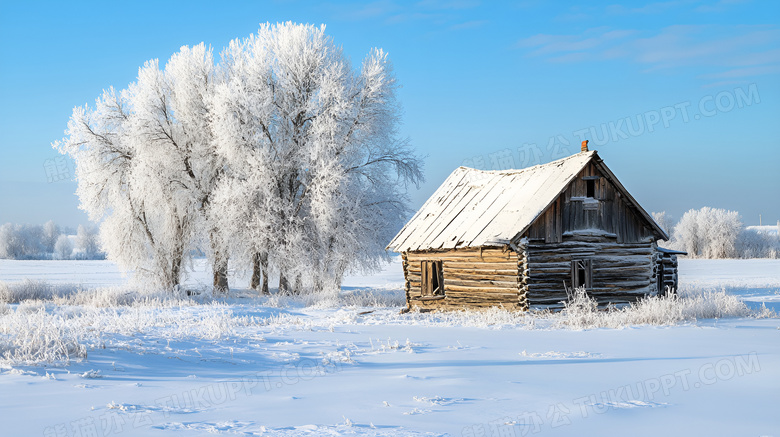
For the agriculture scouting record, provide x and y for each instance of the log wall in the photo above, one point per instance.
(622, 272)
(666, 266)
(473, 278)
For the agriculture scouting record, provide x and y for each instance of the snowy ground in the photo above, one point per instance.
(278, 366)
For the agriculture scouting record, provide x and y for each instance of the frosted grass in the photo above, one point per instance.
(42, 323)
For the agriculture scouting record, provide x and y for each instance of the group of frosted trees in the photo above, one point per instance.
(47, 242)
(718, 233)
(278, 158)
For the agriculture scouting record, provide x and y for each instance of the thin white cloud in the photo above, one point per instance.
(734, 48)
(406, 17)
(447, 4)
(720, 6)
(453, 14)
(650, 8)
(725, 83)
(473, 24)
(551, 44)
(365, 11)
(745, 72)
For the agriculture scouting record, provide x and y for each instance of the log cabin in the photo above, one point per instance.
(522, 239)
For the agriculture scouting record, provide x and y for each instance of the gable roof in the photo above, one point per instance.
(475, 208)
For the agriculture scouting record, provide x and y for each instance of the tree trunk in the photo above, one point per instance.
(264, 268)
(220, 269)
(219, 266)
(177, 259)
(260, 270)
(175, 272)
(284, 287)
(340, 270)
(256, 273)
(298, 284)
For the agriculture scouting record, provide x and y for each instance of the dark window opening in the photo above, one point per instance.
(582, 273)
(660, 279)
(432, 283)
(590, 185)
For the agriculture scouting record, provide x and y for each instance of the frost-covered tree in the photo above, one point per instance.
(758, 243)
(709, 233)
(146, 166)
(114, 189)
(63, 248)
(10, 244)
(687, 236)
(21, 242)
(172, 114)
(664, 221)
(282, 157)
(313, 154)
(87, 242)
(51, 232)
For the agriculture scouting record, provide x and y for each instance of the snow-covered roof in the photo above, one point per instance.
(475, 208)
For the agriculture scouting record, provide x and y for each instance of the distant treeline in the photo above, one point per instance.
(717, 233)
(703, 233)
(48, 242)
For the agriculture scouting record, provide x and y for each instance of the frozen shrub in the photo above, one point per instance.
(21, 242)
(345, 299)
(8, 243)
(581, 312)
(51, 234)
(753, 243)
(87, 242)
(28, 290)
(63, 248)
(25, 290)
(34, 337)
(41, 332)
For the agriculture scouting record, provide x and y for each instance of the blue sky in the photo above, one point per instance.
(680, 98)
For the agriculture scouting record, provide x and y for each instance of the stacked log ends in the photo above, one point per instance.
(407, 286)
(522, 279)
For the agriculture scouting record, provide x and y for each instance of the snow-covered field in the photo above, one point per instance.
(352, 365)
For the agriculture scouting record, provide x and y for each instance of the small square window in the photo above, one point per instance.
(590, 185)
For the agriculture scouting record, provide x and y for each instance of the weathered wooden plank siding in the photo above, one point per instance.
(622, 272)
(473, 278)
(574, 211)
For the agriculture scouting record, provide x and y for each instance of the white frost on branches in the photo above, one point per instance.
(313, 153)
(718, 233)
(282, 156)
(709, 232)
